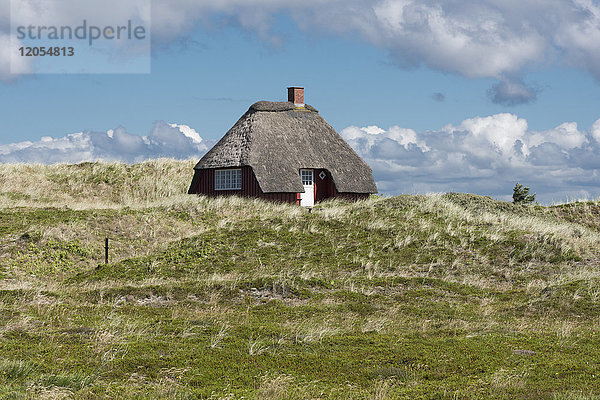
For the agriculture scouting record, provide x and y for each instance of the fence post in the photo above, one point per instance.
(105, 250)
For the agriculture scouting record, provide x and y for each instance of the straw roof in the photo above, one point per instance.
(277, 139)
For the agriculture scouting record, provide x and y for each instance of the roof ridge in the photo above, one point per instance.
(275, 106)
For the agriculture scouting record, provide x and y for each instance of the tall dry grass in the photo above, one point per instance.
(93, 185)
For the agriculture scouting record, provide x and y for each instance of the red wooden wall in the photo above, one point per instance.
(250, 187)
(324, 188)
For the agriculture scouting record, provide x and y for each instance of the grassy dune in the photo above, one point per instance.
(450, 296)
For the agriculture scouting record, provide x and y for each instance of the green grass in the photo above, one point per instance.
(409, 297)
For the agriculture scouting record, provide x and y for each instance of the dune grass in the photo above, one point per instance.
(408, 297)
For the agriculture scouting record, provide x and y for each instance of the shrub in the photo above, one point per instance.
(521, 195)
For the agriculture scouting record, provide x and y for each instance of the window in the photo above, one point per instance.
(307, 176)
(228, 179)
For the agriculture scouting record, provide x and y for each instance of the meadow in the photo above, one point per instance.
(440, 296)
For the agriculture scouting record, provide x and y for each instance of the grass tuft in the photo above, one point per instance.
(18, 369)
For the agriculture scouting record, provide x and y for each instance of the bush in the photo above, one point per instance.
(521, 195)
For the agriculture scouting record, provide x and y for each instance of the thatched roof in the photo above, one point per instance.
(277, 139)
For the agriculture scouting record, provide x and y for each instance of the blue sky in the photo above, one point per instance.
(442, 75)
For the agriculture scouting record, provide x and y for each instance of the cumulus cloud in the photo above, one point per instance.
(475, 41)
(164, 140)
(512, 92)
(485, 38)
(484, 155)
(580, 38)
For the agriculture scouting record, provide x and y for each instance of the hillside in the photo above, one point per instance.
(446, 296)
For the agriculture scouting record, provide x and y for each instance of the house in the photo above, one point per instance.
(283, 151)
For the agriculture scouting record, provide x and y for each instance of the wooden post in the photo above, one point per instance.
(105, 250)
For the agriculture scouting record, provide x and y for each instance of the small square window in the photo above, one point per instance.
(307, 176)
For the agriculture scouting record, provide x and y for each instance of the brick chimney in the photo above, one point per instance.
(296, 95)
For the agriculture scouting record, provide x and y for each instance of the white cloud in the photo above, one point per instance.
(164, 140)
(484, 155)
(566, 135)
(488, 38)
(189, 132)
(475, 41)
(370, 135)
(500, 130)
(485, 38)
(580, 38)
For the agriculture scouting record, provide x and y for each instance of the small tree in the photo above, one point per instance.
(521, 195)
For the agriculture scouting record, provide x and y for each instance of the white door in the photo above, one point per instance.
(307, 199)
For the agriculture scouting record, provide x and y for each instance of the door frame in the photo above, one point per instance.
(303, 198)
